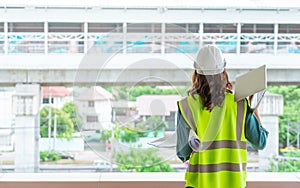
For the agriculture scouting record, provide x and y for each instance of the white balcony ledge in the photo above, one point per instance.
(132, 180)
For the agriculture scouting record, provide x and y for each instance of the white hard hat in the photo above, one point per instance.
(209, 61)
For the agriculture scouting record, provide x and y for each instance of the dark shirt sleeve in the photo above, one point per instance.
(255, 133)
(183, 150)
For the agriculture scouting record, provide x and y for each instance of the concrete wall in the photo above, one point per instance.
(26, 104)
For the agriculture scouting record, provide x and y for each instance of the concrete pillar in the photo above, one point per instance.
(270, 108)
(26, 103)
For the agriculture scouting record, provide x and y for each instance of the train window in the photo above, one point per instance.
(143, 28)
(182, 28)
(105, 27)
(2, 27)
(26, 27)
(65, 27)
(220, 28)
(289, 28)
(257, 28)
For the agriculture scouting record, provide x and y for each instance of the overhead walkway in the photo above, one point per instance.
(47, 44)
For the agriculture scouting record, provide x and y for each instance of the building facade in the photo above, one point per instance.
(94, 106)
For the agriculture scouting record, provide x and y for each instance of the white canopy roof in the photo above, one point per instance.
(256, 4)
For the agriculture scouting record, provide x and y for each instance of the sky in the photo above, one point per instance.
(170, 3)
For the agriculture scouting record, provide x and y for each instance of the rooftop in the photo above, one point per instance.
(95, 93)
(55, 91)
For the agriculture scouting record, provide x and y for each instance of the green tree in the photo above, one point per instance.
(139, 160)
(153, 123)
(128, 135)
(143, 90)
(132, 93)
(65, 126)
(70, 108)
(105, 135)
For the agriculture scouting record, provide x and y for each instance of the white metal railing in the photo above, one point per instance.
(44, 43)
(227, 42)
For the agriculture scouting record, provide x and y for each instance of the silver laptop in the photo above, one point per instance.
(253, 83)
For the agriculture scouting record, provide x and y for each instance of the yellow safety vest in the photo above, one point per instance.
(222, 161)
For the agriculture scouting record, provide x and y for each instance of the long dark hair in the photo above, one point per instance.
(211, 88)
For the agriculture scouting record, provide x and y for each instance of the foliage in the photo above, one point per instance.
(71, 109)
(65, 120)
(128, 135)
(139, 160)
(151, 123)
(49, 156)
(290, 162)
(105, 135)
(125, 133)
(284, 166)
(53, 156)
(131, 94)
(43, 155)
(295, 153)
(117, 131)
(291, 96)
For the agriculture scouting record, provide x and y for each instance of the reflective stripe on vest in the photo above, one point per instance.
(218, 167)
(222, 163)
(224, 144)
(239, 119)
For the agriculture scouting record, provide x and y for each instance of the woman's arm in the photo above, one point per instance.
(183, 150)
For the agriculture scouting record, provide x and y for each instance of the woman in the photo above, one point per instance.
(212, 128)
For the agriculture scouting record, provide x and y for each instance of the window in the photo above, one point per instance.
(46, 100)
(91, 119)
(220, 28)
(257, 28)
(91, 103)
(2, 27)
(182, 28)
(289, 28)
(105, 27)
(143, 28)
(65, 27)
(26, 27)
